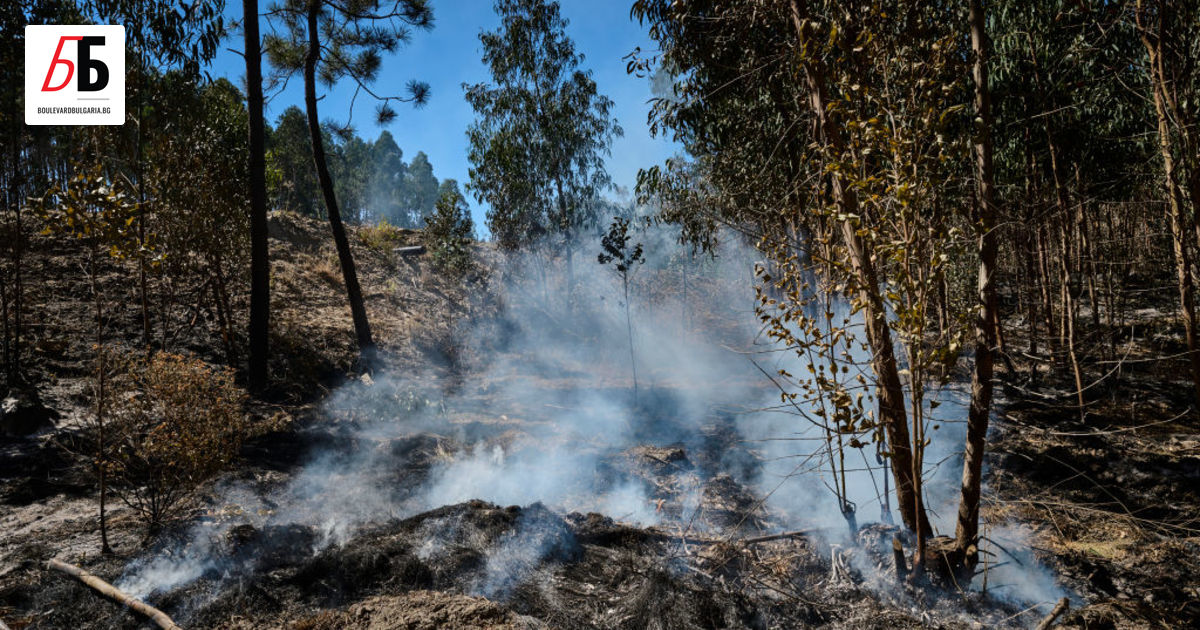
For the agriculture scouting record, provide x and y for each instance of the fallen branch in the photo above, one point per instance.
(115, 594)
(694, 540)
(410, 250)
(681, 538)
(1063, 605)
(800, 533)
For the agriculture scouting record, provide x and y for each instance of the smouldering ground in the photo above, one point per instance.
(598, 510)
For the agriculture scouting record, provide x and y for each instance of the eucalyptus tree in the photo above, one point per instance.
(293, 185)
(840, 133)
(163, 36)
(95, 211)
(333, 40)
(199, 254)
(385, 182)
(1168, 31)
(542, 130)
(350, 167)
(624, 256)
(420, 193)
(985, 214)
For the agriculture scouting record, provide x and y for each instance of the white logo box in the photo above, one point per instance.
(74, 75)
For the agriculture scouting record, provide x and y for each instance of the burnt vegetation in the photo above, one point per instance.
(904, 335)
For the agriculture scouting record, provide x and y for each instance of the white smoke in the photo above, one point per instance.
(545, 408)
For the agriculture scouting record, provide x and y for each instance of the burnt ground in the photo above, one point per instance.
(1112, 501)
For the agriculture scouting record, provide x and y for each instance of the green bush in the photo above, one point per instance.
(449, 232)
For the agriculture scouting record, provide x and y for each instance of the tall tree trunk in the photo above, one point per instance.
(1032, 278)
(101, 393)
(13, 199)
(18, 305)
(1086, 262)
(629, 331)
(1063, 206)
(889, 390)
(1053, 339)
(1031, 299)
(143, 291)
(1183, 267)
(362, 330)
(1070, 314)
(8, 371)
(260, 262)
(568, 243)
(967, 528)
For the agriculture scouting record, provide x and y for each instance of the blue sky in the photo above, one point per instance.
(449, 55)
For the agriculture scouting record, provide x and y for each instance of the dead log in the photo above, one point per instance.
(410, 250)
(115, 594)
(1048, 621)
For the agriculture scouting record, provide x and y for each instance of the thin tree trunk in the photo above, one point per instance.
(362, 329)
(1087, 264)
(1110, 287)
(1052, 335)
(1069, 315)
(943, 306)
(143, 298)
(8, 371)
(1063, 206)
(629, 330)
(1031, 294)
(260, 263)
(568, 244)
(12, 333)
(101, 386)
(11, 195)
(18, 301)
(1183, 270)
(890, 392)
(967, 528)
(1030, 245)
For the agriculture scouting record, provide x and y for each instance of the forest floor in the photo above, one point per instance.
(1111, 500)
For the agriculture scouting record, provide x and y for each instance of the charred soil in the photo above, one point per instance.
(1111, 500)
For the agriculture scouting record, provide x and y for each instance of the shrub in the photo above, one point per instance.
(179, 423)
(381, 237)
(449, 232)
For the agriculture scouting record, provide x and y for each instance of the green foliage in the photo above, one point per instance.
(837, 133)
(542, 130)
(91, 208)
(617, 250)
(189, 169)
(372, 181)
(381, 237)
(420, 192)
(385, 180)
(625, 259)
(449, 232)
(289, 153)
(356, 34)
